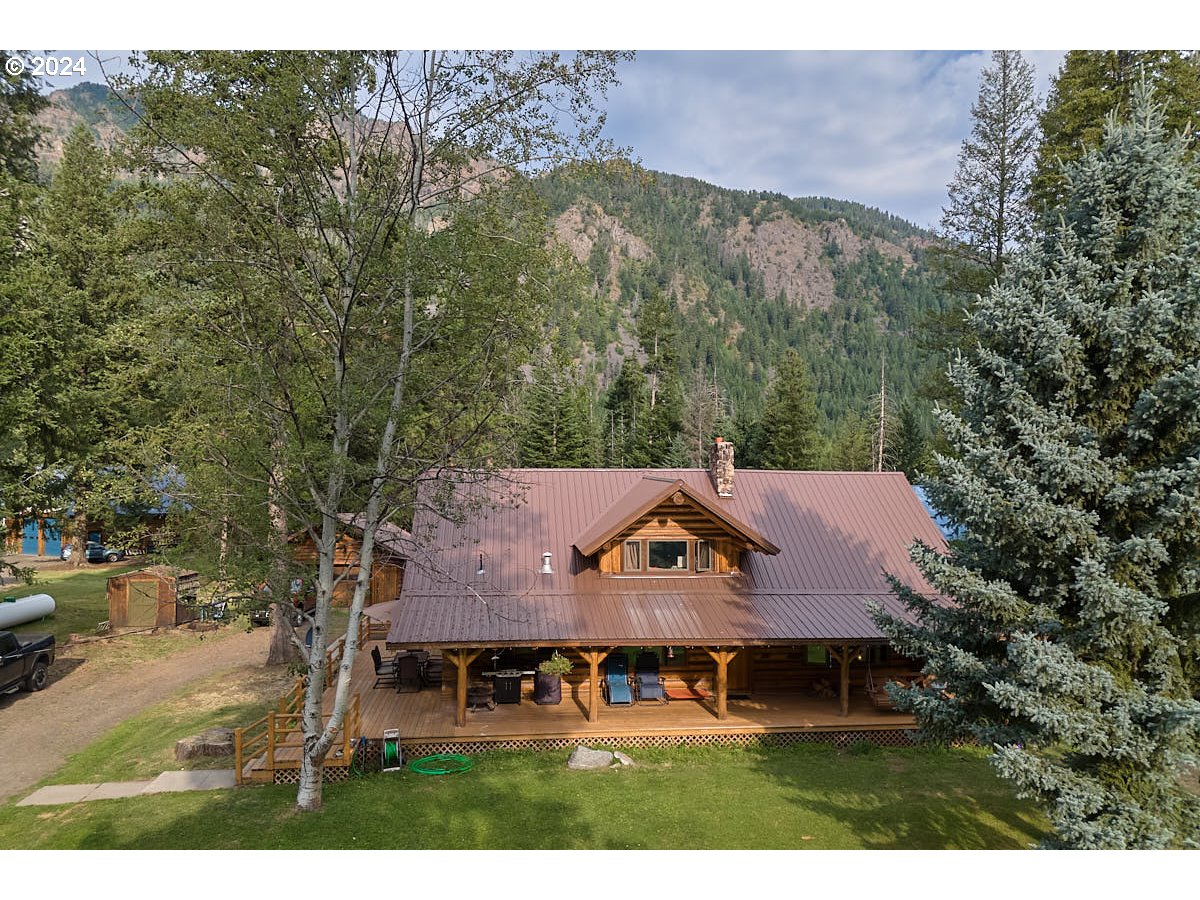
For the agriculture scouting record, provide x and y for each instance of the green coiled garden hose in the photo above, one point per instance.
(392, 758)
(440, 764)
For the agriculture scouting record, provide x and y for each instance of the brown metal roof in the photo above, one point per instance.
(643, 497)
(838, 533)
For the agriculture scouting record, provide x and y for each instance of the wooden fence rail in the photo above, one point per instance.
(280, 730)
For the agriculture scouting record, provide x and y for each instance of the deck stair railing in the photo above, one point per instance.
(277, 739)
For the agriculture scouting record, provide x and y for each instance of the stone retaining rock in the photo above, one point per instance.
(587, 758)
(213, 742)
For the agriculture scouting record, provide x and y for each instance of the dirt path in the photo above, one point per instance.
(38, 731)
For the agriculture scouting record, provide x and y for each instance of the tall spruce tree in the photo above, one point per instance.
(988, 215)
(1071, 645)
(788, 436)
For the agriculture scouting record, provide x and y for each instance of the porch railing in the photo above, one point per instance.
(276, 738)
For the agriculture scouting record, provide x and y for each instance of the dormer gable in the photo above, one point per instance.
(671, 522)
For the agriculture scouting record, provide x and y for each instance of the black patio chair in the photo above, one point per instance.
(385, 673)
(648, 684)
(408, 673)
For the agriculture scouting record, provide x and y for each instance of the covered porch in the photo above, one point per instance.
(728, 701)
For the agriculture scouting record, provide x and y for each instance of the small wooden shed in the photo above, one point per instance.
(155, 596)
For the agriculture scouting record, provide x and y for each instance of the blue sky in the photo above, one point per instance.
(882, 128)
(879, 127)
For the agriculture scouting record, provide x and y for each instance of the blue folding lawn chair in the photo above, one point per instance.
(616, 681)
(648, 683)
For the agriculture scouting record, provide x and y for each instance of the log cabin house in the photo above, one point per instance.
(749, 586)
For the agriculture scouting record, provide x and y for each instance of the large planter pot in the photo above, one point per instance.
(547, 689)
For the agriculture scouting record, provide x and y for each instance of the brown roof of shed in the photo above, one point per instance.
(838, 534)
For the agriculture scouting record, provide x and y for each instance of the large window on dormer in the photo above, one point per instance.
(669, 555)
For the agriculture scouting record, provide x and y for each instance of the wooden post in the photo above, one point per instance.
(847, 653)
(593, 658)
(237, 756)
(722, 658)
(461, 659)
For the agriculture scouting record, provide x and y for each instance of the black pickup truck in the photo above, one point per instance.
(25, 660)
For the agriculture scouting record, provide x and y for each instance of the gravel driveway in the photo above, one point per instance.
(39, 731)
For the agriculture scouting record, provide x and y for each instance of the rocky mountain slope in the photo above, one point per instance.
(750, 273)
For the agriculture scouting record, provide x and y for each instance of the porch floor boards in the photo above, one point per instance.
(429, 714)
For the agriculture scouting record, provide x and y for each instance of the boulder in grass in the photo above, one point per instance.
(587, 758)
(622, 758)
(213, 742)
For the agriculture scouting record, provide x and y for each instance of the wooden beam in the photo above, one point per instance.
(461, 659)
(722, 658)
(593, 658)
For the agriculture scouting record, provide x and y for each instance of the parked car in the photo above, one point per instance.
(25, 660)
(96, 552)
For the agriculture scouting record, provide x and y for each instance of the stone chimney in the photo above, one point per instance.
(721, 467)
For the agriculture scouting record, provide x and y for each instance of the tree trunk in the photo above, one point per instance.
(78, 539)
(308, 797)
(283, 649)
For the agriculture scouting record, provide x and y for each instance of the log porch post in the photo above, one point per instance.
(461, 659)
(722, 658)
(593, 658)
(843, 657)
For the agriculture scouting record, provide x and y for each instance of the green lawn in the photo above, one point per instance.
(80, 601)
(143, 746)
(802, 797)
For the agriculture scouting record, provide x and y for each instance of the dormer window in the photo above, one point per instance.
(676, 557)
(663, 526)
(669, 555)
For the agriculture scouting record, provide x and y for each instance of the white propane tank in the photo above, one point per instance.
(24, 609)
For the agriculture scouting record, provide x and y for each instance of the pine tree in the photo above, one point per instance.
(988, 213)
(910, 446)
(627, 408)
(1092, 84)
(559, 429)
(658, 337)
(1072, 644)
(788, 436)
(20, 102)
(853, 445)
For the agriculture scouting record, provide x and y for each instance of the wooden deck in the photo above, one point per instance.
(427, 718)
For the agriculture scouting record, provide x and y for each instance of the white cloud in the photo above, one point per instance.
(882, 128)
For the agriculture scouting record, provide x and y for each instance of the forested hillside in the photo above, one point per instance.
(745, 276)
(748, 275)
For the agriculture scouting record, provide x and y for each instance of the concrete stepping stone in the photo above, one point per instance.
(56, 794)
(167, 782)
(192, 780)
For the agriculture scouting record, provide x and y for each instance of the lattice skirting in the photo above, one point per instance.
(331, 775)
(888, 738)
